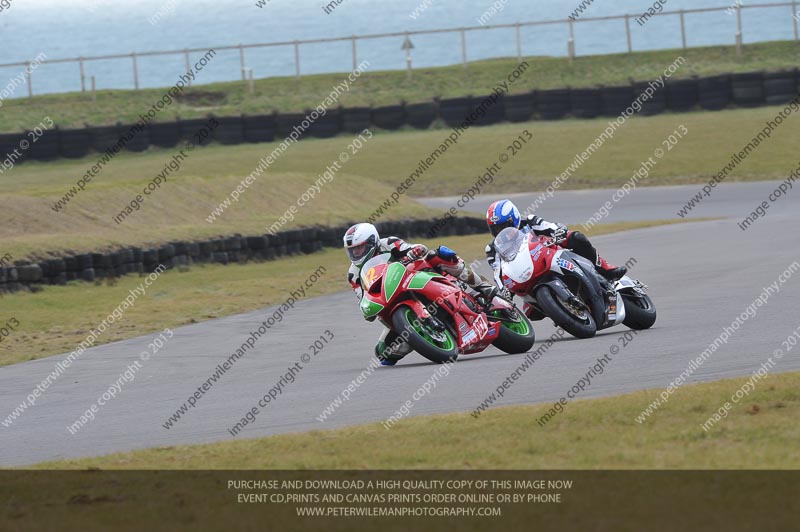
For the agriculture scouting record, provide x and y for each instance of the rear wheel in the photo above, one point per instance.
(577, 321)
(640, 312)
(429, 337)
(516, 332)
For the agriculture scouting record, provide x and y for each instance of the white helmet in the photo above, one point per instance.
(360, 242)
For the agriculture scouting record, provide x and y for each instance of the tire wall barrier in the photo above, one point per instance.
(682, 94)
(259, 128)
(519, 107)
(714, 93)
(781, 87)
(749, 89)
(164, 134)
(586, 103)
(453, 111)
(421, 115)
(553, 104)
(94, 267)
(389, 117)
(356, 119)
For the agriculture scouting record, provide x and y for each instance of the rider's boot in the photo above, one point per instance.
(487, 291)
(391, 348)
(577, 242)
(448, 261)
(612, 273)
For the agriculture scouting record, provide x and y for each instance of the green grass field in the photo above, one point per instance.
(389, 87)
(759, 433)
(178, 210)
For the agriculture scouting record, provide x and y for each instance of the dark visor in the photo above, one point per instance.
(496, 228)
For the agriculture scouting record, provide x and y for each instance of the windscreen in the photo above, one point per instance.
(508, 243)
(383, 258)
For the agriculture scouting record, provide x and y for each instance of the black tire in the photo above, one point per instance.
(454, 111)
(421, 115)
(586, 103)
(640, 312)
(355, 119)
(554, 104)
(556, 312)
(714, 93)
(748, 89)
(389, 117)
(682, 94)
(780, 87)
(511, 341)
(616, 100)
(654, 105)
(437, 355)
(519, 107)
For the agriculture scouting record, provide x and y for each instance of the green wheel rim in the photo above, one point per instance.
(448, 345)
(520, 327)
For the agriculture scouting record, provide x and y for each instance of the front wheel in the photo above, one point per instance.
(516, 331)
(436, 343)
(640, 312)
(576, 321)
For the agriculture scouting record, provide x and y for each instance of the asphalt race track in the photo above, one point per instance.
(702, 276)
(735, 200)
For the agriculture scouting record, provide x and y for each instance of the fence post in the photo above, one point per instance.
(30, 82)
(83, 76)
(297, 59)
(571, 41)
(628, 32)
(519, 44)
(407, 46)
(463, 48)
(94, 94)
(795, 17)
(188, 66)
(250, 81)
(739, 32)
(241, 62)
(353, 48)
(135, 71)
(683, 29)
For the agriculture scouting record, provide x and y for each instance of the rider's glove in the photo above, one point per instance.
(560, 233)
(416, 253)
(506, 294)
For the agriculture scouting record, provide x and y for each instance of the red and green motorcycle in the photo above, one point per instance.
(434, 313)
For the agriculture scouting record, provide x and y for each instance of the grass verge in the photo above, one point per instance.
(56, 319)
(179, 209)
(389, 87)
(759, 433)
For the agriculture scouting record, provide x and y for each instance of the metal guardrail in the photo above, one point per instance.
(738, 7)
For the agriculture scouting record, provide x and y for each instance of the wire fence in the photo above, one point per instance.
(515, 34)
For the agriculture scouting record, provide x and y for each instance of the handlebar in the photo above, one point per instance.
(556, 239)
(405, 261)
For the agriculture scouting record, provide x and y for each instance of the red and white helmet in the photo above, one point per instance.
(360, 242)
(502, 214)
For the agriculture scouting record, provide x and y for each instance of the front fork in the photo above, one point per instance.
(426, 317)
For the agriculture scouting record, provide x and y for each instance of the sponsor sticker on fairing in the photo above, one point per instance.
(566, 265)
(481, 326)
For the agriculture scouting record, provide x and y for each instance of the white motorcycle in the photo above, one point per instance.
(558, 284)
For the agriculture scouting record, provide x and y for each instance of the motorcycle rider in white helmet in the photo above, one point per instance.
(362, 242)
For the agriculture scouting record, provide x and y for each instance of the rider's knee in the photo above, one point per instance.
(578, 238)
